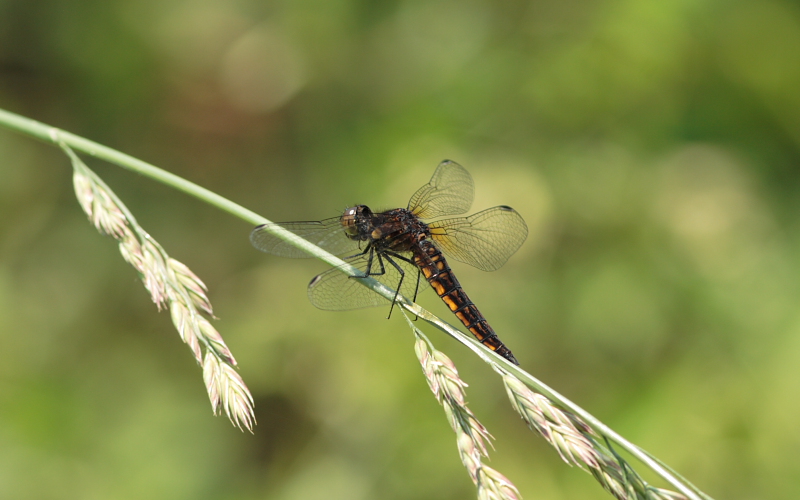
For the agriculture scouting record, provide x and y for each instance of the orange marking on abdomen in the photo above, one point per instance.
(478, 334)
(436, 271)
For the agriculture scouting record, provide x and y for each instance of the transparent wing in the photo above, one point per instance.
(485, 240)
(327, 234)
(449, 192)
(334, 290)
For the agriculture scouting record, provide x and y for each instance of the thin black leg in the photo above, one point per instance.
(383, 269)
(419, 273)
(402, 277)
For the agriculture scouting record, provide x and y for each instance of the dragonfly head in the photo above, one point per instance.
(354, 218)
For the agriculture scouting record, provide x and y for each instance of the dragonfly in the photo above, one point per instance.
(400, 249)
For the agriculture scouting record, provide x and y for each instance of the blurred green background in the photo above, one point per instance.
(651, 146)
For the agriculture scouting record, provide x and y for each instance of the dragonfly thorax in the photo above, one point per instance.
(398, 230)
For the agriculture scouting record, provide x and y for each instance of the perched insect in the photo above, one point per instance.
(397, 248)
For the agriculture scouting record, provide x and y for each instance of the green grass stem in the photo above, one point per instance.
(56, 136)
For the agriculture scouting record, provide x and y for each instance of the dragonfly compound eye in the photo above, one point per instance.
(349, 221)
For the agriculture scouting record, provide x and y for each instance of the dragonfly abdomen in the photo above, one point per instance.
(438, 273)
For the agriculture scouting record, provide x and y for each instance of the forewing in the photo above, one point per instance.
(327, 234)
(449, 192)
(334, 290)
(485, 240)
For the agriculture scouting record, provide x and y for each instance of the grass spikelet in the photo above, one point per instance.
(471, 436)
(551, 423)
(173, 285)
(131, 250)
(182, 319)
(84, 192)
(215, 341)
(494, 486)
(154, 276)
(578, 444)
(227, 392)
(194, 285)
(576, 441)
(106, 215)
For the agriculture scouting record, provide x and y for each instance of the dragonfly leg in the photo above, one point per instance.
(416, 289)
(419, 275)
(388, 256)
(368, 271)
(369, 263)
(401, 257)
(369, 260)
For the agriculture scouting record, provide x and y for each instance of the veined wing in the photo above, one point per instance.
(334, 290)
(485, 240)
(327, 234)
(449, 192)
